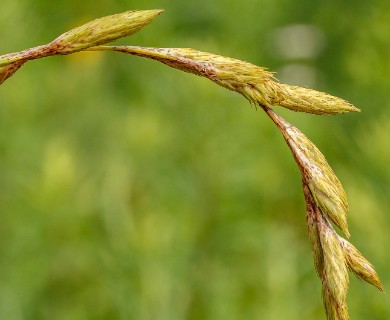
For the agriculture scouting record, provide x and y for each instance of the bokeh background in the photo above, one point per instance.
(129, 190)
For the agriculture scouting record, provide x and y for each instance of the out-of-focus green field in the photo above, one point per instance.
(132, 191)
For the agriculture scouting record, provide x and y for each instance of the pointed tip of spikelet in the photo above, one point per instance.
(312, 101)
(359, 265)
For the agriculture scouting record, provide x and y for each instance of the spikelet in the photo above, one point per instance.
(93, 33)
(328, 259)
(103, 30)
(327, 191)
(303, 99)
(255, 83)
(359, 265)
(335, 268)
(96, 32)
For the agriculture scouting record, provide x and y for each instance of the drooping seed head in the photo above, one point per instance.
(103, 30)
(325, 187)
(359, 265)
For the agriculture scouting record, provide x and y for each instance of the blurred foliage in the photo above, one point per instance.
(132, 191)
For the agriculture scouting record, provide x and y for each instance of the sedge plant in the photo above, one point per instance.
(326, 200)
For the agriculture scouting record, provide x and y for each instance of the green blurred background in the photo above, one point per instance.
(129, 190)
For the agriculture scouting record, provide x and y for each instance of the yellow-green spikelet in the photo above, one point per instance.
(255, 83)
(325, 187)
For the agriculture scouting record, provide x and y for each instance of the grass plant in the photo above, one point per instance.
(326, 200)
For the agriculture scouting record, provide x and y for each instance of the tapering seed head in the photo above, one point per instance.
(326, 189)
(359, 265)
(103, 30)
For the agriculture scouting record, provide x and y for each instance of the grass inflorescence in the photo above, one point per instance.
(326, 200)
